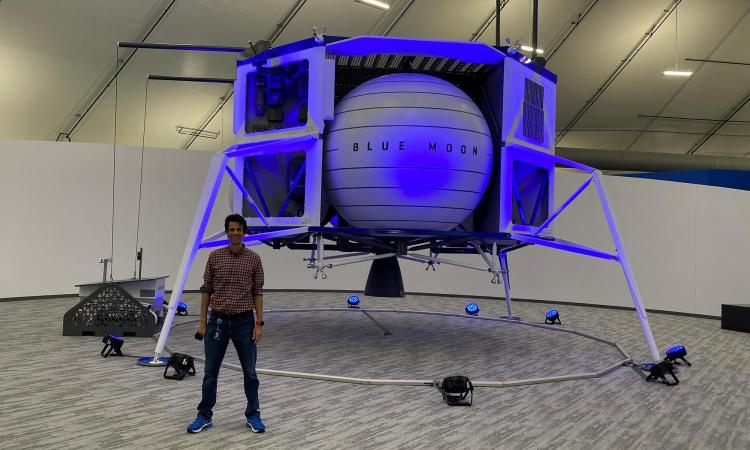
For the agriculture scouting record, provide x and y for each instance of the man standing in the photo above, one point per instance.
(233, 287)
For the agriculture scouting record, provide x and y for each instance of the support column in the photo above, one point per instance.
(202, 214)
(622, 258)
(503, 257)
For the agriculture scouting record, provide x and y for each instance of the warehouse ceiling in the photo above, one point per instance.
(59, 58)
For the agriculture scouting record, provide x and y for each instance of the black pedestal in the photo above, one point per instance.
(385, 279)
(735, 317)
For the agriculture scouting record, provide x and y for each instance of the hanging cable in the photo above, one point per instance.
(675, 38)
(161, 203)
(91, 104)
(140, 185)
(531, 25)
(114, 174)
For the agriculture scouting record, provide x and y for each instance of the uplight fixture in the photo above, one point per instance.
(472, 309)
(352, 301)
(552, 317)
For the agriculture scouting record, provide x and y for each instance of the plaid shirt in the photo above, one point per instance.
(233, 280)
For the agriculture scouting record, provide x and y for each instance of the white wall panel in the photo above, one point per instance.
(722, 247)
(55, 207)
(687, 243)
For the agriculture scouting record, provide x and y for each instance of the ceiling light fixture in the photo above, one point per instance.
(526, 48)
(676, 72)
(197, 132)
(374, 3)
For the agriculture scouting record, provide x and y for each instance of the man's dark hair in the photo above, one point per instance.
(235, 218)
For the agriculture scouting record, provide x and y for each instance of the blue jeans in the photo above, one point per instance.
(240, 331)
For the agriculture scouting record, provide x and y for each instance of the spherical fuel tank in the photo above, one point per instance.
(406, 151)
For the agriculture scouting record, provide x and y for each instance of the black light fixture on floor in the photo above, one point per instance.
(182, 309)
(677, 352)
(112, 345)
(182, 364)
(456, 389)
(659, 372)
(552, 317)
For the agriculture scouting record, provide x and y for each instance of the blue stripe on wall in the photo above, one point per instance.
(733, 179)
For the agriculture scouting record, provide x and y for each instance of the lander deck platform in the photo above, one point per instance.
(350, 239)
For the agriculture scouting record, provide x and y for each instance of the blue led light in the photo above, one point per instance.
(552, 317)
(353, 301)
(472, 309)
(182, 309)
(676, 351)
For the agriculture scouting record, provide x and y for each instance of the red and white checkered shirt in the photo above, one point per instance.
(233, 280)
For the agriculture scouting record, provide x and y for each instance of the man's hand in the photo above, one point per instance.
(257, 333)
(202, 327)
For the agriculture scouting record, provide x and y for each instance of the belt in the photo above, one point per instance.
(231, 316)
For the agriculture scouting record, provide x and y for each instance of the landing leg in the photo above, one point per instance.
(506, 284)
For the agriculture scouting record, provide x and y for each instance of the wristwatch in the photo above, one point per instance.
(261, 323)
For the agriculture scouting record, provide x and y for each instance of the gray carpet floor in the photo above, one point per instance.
(58, 392)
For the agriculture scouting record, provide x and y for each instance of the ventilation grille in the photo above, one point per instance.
(533, 111)
(415, 63)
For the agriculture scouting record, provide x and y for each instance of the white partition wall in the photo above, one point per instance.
(53, 198)
(687, 243)
(57, 205)
(722, 249)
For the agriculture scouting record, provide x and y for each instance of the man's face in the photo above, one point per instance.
(235, 233)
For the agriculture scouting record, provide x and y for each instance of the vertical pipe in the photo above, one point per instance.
(622, 258)
(104, 275)
(498, 7)
(140, 263)
(321, 247)
(534, 29)
(506, 282)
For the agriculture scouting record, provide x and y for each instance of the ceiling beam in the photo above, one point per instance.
(386, 23)
(563, 36)
(715, 49)
(288, 17)
(689, 119)
(229, 93)
(619, 69)
(641, 130)
(182, 47)
(475, 36)
(727, 117)
(719, 61)
(388, 20)
(85, 106)
(191, 79)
